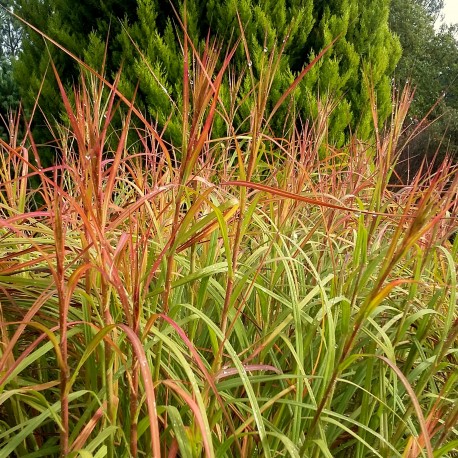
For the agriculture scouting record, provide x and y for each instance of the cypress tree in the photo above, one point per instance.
(81, 27)
(366, 52)
(10, 42)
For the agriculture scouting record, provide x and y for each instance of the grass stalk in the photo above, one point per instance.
(253, 295)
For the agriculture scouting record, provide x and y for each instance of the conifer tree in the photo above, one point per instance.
(10, 43)
(147, 44)
(82, 27)
(365, 54)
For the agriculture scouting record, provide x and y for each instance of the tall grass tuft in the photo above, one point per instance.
(239, 296)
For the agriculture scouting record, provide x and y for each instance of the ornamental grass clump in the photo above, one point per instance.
(237, 296)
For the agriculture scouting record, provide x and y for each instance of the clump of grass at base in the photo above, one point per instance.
(256, 298)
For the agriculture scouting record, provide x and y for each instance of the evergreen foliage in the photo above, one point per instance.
(10, 42)
(430, 62)
(146, 39)
(79, 27)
